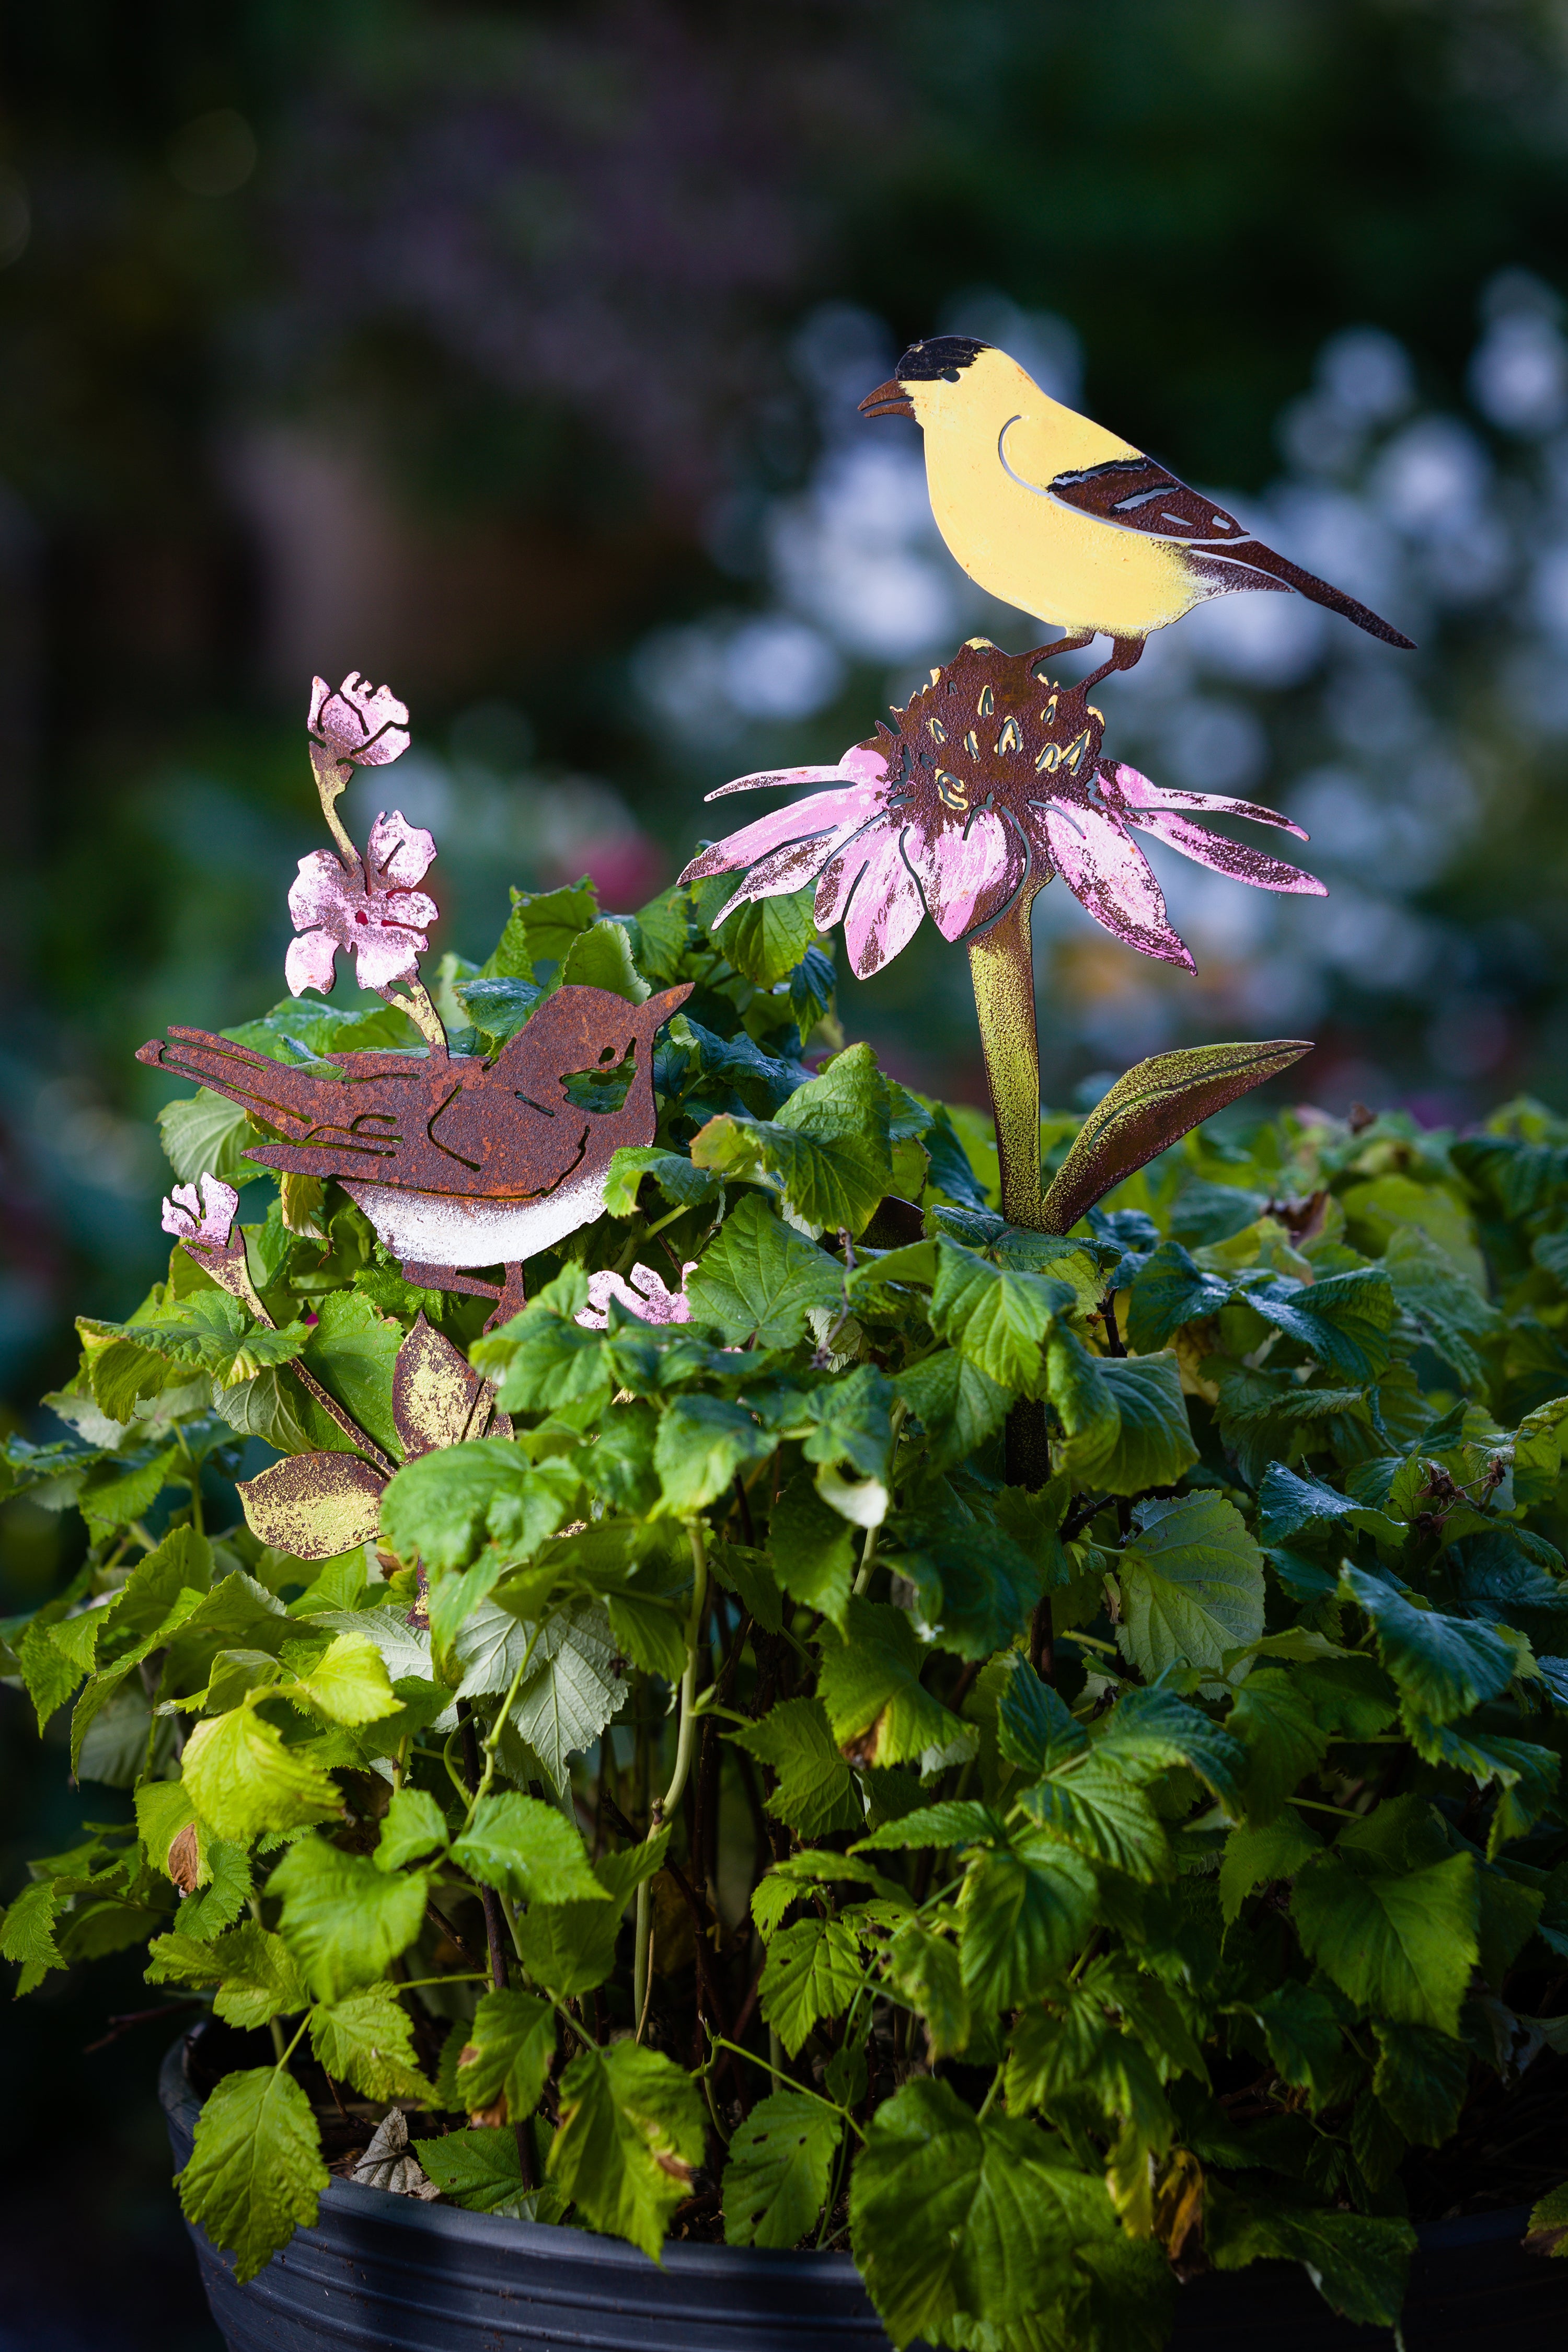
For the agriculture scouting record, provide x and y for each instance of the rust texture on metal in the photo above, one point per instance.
(316, 1505)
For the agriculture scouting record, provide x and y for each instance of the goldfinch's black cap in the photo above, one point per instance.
(939, 355)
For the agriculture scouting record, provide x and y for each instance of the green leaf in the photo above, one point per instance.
(347, 1683)
(575, 1685)
(1276, 1719)
(257, 1978)
(205, 1134)
(780, 2160)
(1152, 1106)
(757, 1281)
(683, 1186)
(764, 939)
(816, 1793)
(650, 1632)
(507, 2054)
(1303, 2028)
(953, 2216)
(1146, 1440)
(570, 1947)
(957, 1405)
(1021, 1919)
(442, 1508)
(1169, 1289)
(344, 1920)
(1548, 2222)
(924, 1969)
(703, 1442)
(1257, 1857)
(1097, 1813)
(1033, 1728)
(601, 957)
(26, 1932)
(870, 1682)
(1358, 2263)
(366, 2039)
(243, 1780)
(54, 1658)
(812, 1549)
(953, 1822)
(1402, 1944)
(527, 1850)
(973, 1584)
(1147, 1731)
(632, 2127)
(813, 1971)
(541, 928)
(1192, 1586)
(997, 1319)
(353, 1351)
(413, 1826)
(1444, 1665)
(480, 2170)
(1422, 2079)
(1344, 1320)
(255, 2174)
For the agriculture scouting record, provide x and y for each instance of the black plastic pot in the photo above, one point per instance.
(390, 2273)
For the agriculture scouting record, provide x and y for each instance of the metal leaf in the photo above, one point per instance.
(1152, 1106)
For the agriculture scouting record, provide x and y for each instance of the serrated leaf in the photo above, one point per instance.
(345, 1921)
(347, 1683)
(528, 1851)
(813, 1971)
(255, 2174)
(443, 1507)
(1401, 1943)
(871, 1685)
(758, 1281)
(575, 1686)
(957, 1404)
(816, 1793)
(1256, 1857)
(205, 1134)
(1192, 1586)
(1444, 1665)
(632, 2127)
(1035, 1729)
(1357, 2262)
(1022, 1920)
(703, 1442)
(413, 1826)
(243, 1780)
(924, 1969)
(777, 2174)
(507, 2054)
(953, 2216)
(366, 2039)
(1143, 1437)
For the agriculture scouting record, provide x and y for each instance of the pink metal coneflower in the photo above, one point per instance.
(990, 785)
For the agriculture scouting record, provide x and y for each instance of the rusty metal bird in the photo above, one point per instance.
(458, 1162)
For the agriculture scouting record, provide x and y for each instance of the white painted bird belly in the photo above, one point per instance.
(447, 1230)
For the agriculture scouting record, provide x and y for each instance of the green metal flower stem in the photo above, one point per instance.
(1002, 970)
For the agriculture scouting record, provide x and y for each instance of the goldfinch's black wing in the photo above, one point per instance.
(1136, 494)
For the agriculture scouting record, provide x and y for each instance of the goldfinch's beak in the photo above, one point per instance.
(889, 399)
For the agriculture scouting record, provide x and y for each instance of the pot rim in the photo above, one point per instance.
(554, 2240)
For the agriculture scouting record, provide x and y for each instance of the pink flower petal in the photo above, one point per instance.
(969, 873)
(885, 910)
(789, 868)
(1138, 792)
(1109, 877)
(384, 954)
(772, 779)
(646, 1295)
(841, 872)
(205, 1218)
(822, 814)
(361, 722)
(308, 962)
(399, 853)
(324, 893)
(1232, 857)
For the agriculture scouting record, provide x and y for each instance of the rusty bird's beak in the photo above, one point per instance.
(889, 399)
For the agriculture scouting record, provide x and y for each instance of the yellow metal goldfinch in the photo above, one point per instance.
(1053, 513)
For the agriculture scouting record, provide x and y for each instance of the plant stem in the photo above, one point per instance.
(1002, 972)
(489, 1902)
(684, 1742)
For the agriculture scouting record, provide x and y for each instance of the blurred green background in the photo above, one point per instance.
(509, 356)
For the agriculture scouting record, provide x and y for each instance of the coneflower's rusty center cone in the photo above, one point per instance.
(991, 730)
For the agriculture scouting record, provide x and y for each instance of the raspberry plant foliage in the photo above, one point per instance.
(1045, 1893)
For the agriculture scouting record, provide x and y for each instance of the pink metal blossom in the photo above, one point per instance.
(887, 844)
(644, 1295)
(364, 724)
(202, 1219)
(368, 909)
